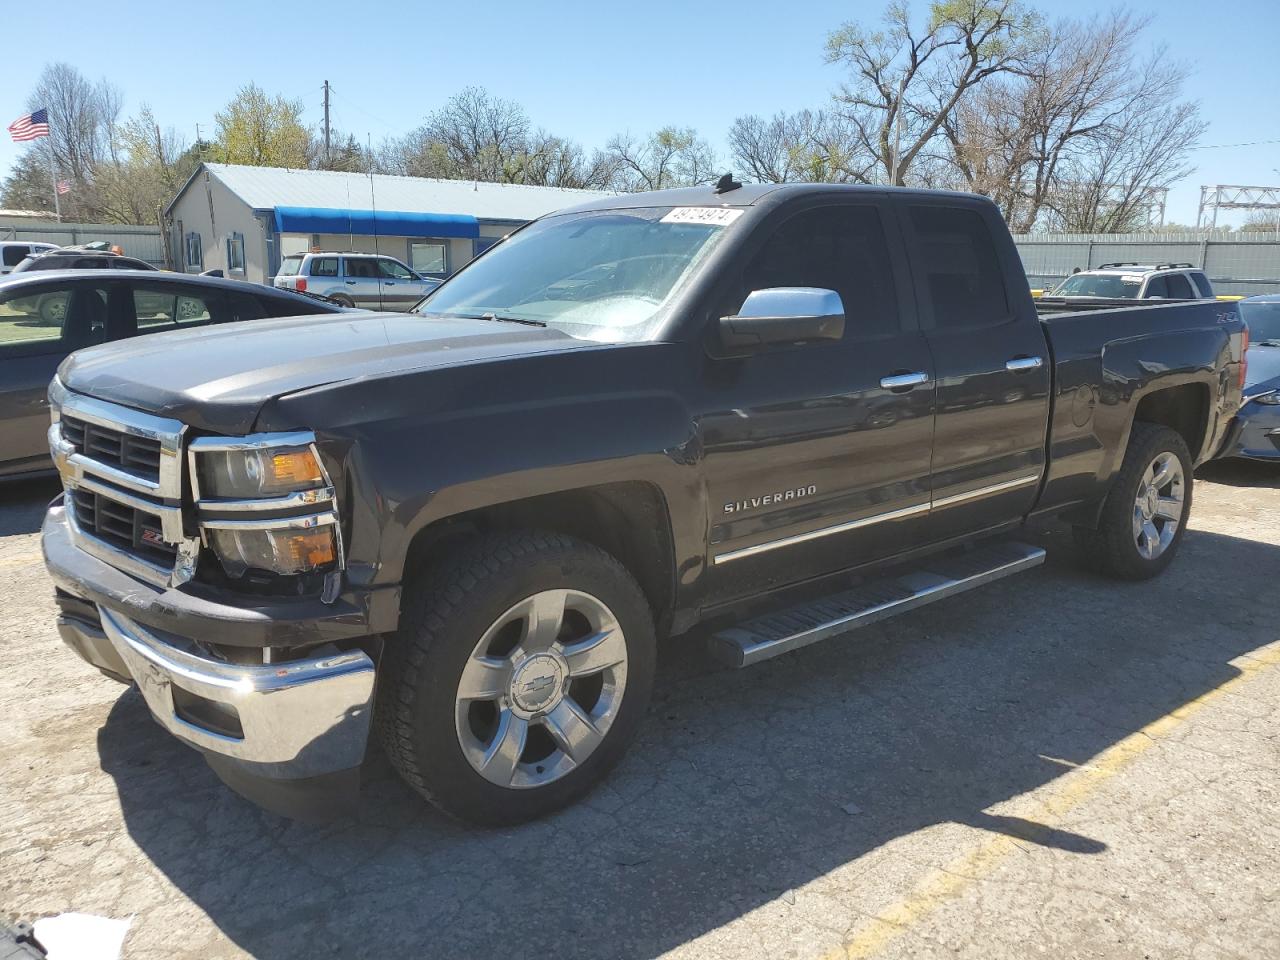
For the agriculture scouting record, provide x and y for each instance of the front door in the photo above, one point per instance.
(400, 287)
(817, 456)
(992, 366)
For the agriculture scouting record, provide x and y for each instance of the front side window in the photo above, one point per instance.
(429, 257)
(608, 275)
(961, 272)
(1180, 287)
(840, 248)
(1157, 288)
(394, 270)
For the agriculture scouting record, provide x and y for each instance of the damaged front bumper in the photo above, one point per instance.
(289, 736)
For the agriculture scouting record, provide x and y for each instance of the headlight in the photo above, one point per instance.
(1271, 399)
(288, 551)
(257, 473)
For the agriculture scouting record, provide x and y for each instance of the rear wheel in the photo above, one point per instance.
(1145, 514)
(518, 677)
(341, 300)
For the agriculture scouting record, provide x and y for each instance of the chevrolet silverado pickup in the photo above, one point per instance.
(778, 412)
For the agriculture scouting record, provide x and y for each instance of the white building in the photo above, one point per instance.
(243, 220)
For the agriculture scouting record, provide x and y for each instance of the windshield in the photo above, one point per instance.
(1099, 285)
(608, 275)
(1263, 320)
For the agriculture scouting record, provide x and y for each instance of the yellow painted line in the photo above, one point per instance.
(1072, 789)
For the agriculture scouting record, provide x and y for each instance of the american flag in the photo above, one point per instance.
(64, 186)
(31, 126)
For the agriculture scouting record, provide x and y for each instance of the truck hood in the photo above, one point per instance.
(218, 378)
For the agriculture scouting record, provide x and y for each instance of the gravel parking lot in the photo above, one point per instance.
(1055, 765)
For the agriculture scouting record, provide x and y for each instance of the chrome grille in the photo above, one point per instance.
(123, 475)
(115, 447)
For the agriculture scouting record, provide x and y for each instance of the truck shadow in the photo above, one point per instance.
(25, 502)
(743, 785)
(1241, 473)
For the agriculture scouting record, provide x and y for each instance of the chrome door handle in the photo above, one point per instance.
(351, 282)
(1018, 364)
(899, 381)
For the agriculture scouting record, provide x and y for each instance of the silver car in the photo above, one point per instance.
(366, 280)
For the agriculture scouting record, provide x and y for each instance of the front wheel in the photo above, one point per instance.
(518, 677)
(1145, 514)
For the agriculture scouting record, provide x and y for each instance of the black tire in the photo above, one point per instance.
(342, 301)
(447, 609)
(1111, 549)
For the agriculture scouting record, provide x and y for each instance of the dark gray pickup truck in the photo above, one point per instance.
(780, 412)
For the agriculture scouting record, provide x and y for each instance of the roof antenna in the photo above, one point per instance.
(373, 200)
(727, 183)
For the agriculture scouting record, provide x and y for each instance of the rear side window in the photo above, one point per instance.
(840, 248)
(956, 260)
(1157, 287)
(15, 255)
(1179, 287)
(1203, 285)
(324, 267)
(164, 307)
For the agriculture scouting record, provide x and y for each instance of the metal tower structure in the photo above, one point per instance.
(1235, 197)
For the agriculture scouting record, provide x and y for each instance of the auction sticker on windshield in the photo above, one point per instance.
(710, 216)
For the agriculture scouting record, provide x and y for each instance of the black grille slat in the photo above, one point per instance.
(113, 447)
(121, 526)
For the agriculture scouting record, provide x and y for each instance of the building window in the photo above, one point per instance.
(235, 252)
(195, 255)
(429, 257)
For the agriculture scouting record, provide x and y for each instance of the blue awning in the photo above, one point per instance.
(387, 223)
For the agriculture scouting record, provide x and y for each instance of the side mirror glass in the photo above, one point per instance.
(783, 315)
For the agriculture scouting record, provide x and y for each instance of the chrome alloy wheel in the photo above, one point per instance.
(541, 689)
(1159, 505)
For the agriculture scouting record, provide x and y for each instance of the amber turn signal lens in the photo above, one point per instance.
(295, 468)
(311, 549)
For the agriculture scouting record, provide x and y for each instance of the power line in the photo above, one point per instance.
(1222, 146)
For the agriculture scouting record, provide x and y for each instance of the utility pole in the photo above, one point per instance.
(326, 123)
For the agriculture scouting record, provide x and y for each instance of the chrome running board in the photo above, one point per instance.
(935, 579)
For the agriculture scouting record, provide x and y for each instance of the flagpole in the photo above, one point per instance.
(53, 177)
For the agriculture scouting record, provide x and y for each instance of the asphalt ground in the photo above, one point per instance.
(1056, 765)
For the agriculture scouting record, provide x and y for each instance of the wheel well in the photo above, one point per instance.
(628, 520)
(1183, 408)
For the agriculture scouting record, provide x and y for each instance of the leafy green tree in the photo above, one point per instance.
(261, 131)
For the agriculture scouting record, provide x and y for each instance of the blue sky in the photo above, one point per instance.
(583, 70)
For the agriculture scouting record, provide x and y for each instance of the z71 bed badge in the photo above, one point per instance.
(738, 506)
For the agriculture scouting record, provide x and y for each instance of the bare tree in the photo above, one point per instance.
(908, 78)
(670, 157)
(810, 146)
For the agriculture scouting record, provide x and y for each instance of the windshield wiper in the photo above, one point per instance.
(495, 316)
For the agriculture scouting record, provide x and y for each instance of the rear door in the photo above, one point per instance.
(361, 281)
(39, 325)
(991, 362)
(815, 459)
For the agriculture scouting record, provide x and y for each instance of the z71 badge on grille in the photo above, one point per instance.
(754, 503)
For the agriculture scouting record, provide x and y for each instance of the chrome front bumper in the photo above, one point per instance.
(294, 720)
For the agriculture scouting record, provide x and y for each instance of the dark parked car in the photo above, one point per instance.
(1256, 434)
(81, 258)
(45, 316)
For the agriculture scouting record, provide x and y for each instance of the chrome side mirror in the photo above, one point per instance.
(783, 315)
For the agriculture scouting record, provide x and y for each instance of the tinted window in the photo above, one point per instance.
(393, 270)
(51, 320)
(1157, 287)
(169, 306)
(1179, 287)
(836, 248)
(324, 267)
(1203, 285)
(957, 263)
(290, 266)
(128, 263)
(15, 255)
(359, 267)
